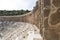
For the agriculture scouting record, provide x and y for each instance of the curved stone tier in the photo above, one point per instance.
(19, 31)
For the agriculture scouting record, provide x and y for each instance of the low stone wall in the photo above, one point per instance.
(29, 18)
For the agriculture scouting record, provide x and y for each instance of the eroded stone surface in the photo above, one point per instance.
(56, 3)
(52, 23)
(55, 18)
(51, 18)
(19, 31)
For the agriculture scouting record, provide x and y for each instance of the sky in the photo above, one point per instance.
(17, 4)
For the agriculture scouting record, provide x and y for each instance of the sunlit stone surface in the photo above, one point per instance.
(18, 31)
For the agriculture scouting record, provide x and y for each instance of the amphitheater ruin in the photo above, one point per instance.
(44, 20)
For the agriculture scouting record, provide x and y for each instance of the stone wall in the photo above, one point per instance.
(52, 19)
(46, 16)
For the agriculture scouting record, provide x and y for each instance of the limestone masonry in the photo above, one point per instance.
(45, 15)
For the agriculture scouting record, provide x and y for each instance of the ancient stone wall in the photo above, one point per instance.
(46, 16)
(52, 19)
